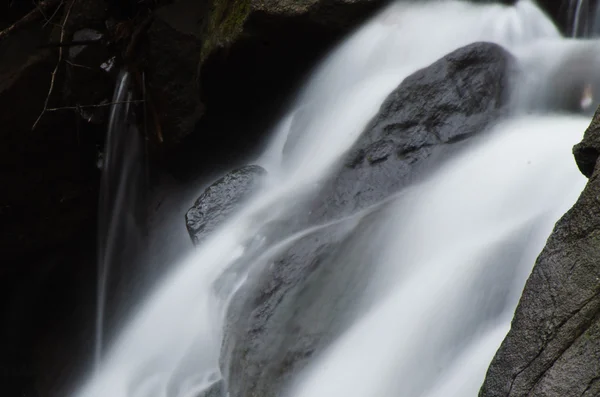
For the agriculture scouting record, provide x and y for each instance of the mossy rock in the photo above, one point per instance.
(225, 23)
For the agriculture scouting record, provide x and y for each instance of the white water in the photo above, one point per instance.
(119, 230)
(519, 181)
(583, 16)
(442, 268)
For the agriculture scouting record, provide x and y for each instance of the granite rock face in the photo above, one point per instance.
(553, 347)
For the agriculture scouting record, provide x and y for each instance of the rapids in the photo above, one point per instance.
(452, 270)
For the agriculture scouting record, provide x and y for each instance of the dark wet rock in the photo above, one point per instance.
(217, 389)
(337, 13)
(586, 152)
(221, 199)
(252, 59)
(292, 309)
(447, 102)
(87, 14)
(171, 64)
(553, 347)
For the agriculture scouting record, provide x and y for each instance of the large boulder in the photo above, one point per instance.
(553, 346)
(290, 311)
(442, 104)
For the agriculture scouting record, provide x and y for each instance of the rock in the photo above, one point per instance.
(334, 13)
(293, 308)
(442, 104)
(185, 34)
(171, 64)
(586, 152)
(221, 199)
(253, 57)
(553, 346)
(217, 389)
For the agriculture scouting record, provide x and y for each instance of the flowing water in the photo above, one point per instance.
(120, 221)
(460, 244)
(583, 17)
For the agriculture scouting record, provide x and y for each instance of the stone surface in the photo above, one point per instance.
(291, 310)
(442, 104)
(170, 61)
(221, 199)
(336, 13)
(586, 152)
(553, 347)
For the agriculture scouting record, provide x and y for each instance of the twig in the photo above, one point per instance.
(53, 14)
(32, 16)
(55, 71)
(76, 65)
(77, 107)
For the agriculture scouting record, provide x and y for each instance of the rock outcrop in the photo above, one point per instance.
(340, 14)
(221, 199)
(293, 308)
(553, 347)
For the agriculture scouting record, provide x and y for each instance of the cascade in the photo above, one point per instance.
(459, 244)
(121, 202)
(582, 18)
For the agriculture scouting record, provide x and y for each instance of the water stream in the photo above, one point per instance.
(460, 244)
(120, 219)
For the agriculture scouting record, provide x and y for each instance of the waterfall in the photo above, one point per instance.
(461, 243)
(465, 274)
(583, 18)
(121, 202)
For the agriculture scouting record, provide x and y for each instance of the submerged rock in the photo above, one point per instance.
(299, 302)
(553, 347)
(221, 199)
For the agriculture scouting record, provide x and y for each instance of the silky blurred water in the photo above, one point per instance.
(461, 243)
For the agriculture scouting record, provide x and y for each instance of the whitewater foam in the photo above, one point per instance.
(171, 346)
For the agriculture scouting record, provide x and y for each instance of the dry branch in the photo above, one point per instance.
(100, 105)
(55, 71)
(32, 16)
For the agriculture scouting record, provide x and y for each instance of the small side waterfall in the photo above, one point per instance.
(121, 202)
(461, 244)
(583, 17)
